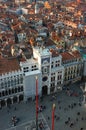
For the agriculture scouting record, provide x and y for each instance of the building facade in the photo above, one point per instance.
(73, 65)
(49, 62)
(47, 66)
(11, 88)
(53, 70)
(31, 71)
(84, 72)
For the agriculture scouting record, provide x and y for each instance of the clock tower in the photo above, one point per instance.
(44, 62)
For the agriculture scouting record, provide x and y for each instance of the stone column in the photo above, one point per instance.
(6, 102)
(0, 104)
(1, 94)
(48, 91)
(85, 87)
(12, 100)
(84, 99)
(55, 88)
(18, 98)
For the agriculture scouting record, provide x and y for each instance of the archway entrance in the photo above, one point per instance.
(3, 103)
(14, 99)
(20, 98)
(9, 101)
(44, 90)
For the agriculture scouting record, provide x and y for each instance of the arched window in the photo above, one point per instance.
(14, 82)
(13, 90)
(21, 79)
(9, 83)
(9, 91)
(2, 85)
(17, 80)
(5, 84)
(3, 93)
(6, 92)
(21, 88)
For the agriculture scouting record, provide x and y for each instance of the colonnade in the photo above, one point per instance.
(11, 100)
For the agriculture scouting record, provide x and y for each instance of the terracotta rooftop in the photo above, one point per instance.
(54, 53)
(22, 59)
(49, 42)
(66, 56)
(70, 55)
(76, 54)
(8, 65)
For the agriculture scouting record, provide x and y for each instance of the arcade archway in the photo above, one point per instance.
(3, 103)
(44, 90)
(9, 101)
(20, 98)
(14, 99)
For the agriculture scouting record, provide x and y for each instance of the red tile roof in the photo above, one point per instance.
(22, 59)
(8, 65)
(54, 53)
(66, 56)
(49, 42)
(70, 55)
(76, 54)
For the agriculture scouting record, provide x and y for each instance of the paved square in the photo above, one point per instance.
(70, 113)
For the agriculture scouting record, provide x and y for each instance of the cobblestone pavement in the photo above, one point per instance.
(70, 113)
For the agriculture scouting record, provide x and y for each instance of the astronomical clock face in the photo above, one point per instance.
(45, 60)
(44, 78)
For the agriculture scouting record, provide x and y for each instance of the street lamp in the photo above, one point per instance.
(36, 103)
(53, 112)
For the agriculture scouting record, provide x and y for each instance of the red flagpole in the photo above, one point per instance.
(53, 112)
(36, 103)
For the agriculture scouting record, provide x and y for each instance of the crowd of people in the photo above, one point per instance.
(71, 122)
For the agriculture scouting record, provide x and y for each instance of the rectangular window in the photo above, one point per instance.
(51, 66)
(51, 79)
(59, 77)
(45, 70)
(56, 65)
(54, 78)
